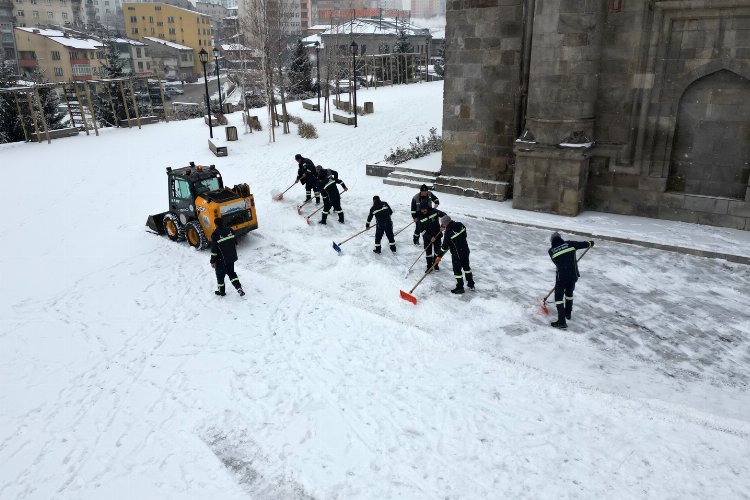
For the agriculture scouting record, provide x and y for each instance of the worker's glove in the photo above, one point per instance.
(591, 243)
(416, 239)
(367, 226)
(437, 261)
(213, 264)
(346, 189)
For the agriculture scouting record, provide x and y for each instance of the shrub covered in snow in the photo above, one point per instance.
(307, 131)
(418, 149)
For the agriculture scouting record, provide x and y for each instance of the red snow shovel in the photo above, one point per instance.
(280, 196)
(408, 296)
(544, 307)
(338, 247)
(307, 219)
(299, 207)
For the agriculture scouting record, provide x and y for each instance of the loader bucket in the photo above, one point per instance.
(156, 222)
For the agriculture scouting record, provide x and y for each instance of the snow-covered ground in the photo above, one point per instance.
(124, 376)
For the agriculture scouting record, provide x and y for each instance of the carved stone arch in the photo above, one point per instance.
(710, 144)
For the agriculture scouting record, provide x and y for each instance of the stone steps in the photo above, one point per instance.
(410, 177)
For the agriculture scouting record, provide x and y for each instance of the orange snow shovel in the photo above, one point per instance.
(545, 309)
(408, 296)
(280, 196)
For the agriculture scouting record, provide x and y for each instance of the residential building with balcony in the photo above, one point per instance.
(57, 56)
(182, 27)
(170, 60)
(42, 13)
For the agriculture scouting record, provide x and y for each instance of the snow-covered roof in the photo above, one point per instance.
(310, 40)
(376, 26)
(234, 46)
(168, 44)
(67, 41)
(129, 41)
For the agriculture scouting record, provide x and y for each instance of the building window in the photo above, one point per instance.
(170, 19)
(161, 35)
(58, 71)
(160, 23)
(47, 2)
(73, 55)
(153, 31)
(148, 65)
(158, 7)
(50, 15)
(35, 14)
(171, 31)
(133, 19)
(140, 65)
(100, 54)
(137, 52)
(131, 8)
(151, 19)
(19, 13)
(55, 55)
(64, 15)
(63, 2)
(135, 31)
(19, 1)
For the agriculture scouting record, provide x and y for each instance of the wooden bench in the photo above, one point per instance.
(55, 134)
(346, 120)
(217, 147)
(310, 106)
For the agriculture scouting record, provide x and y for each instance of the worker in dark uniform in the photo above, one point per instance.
(428, 225)
(331, 195)
(306, 176)
(223, 257)
(454, 239)
(423, 194)
(383, 223)
(563, 254)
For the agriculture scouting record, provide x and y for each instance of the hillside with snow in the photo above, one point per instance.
(124, 376)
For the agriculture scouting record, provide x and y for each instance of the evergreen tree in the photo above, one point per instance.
(10, 124)
(440, 63)
(300, 72)
(403, 46)
(111, 95)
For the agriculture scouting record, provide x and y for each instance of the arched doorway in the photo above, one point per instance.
(711, 154)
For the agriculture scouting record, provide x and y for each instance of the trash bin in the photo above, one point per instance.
(231, 132)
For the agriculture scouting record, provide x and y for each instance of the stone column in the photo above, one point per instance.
(550, 175)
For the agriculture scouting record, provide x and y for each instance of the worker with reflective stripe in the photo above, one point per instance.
(454, 239)
(383, 223)
(307, 176)
(423, 194)
(428, 225)
(223, 257)
(563, 254)
(331, 196)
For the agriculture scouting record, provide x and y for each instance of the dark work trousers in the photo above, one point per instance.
(430, 253)
(226, 270)
(311, 186)
(564, 298)
(387, 228)
(460, 261)
(335, 204)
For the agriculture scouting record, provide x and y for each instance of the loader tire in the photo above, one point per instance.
(195, 235)
(174, 228)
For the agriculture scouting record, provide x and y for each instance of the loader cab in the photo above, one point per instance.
(184, 184)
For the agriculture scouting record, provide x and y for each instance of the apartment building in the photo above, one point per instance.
(44, 12)
(170, 60)
(7, 40)
(58, 56)
(172, 24)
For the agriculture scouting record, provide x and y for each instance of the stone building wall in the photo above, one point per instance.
(654, 99)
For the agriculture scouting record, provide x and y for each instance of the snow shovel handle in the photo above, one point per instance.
(319, 209)
(355, 235)
(290, 187)
(420, 279)
(420, 254)
(399, 232)
(553, 288)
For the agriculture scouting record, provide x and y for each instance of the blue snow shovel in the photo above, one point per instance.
(338, 247)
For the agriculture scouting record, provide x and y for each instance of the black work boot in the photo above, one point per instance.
(341, 217)
(241, 292)
(323, 219)
(561, 324)
(470, 284)
(459, 287)
(220, 293)
(377, 250)
(429, 263)
(568, 309)
(393, 247)
(317, 201)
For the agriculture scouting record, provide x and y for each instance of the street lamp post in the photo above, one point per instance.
(317, 69)
(354, 78)
(218, 80)
(203, 56)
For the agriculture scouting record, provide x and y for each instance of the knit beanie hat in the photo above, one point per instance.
(445, 220)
